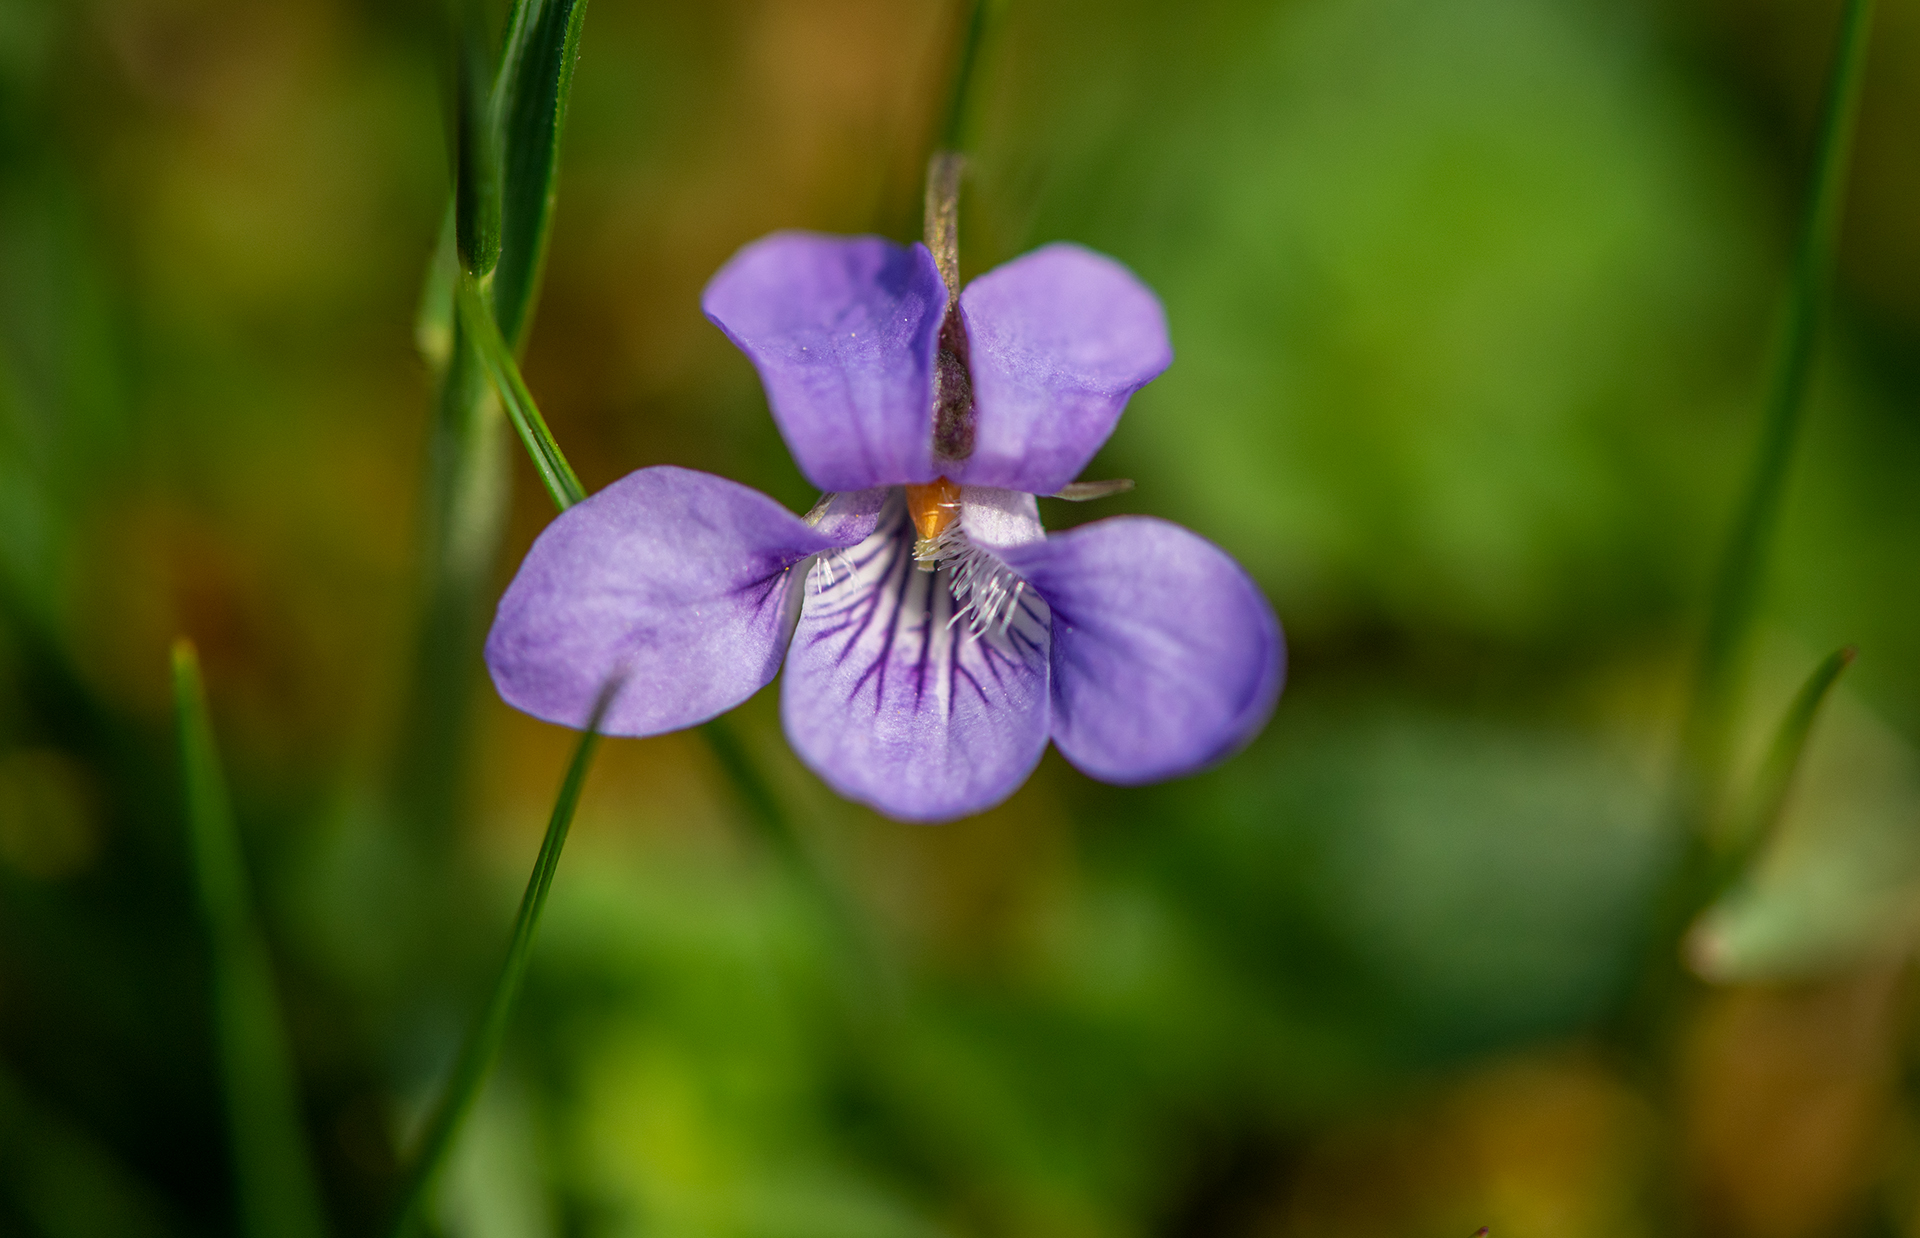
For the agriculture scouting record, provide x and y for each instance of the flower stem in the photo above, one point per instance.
(1742, 571)
(482, 1045)
(953, 128)
(943, 218)
(272, 1170)
(469, 485)
(952, 374)
(476, 319)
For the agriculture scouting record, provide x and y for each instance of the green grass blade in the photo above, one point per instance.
(469, 488)
(272, 1172)
(477, 321)
(1738, 585)
(1768, 800)
(476, 185)
(482, 1045)
(530, 111)
(464, 512)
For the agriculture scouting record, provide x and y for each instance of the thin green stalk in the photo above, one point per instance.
(953, 128)
(1737, 588)
(476, 319)
(482, 1045)
(272, 1173)
(469, 486)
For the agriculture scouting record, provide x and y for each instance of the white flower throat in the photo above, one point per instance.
(986, 594)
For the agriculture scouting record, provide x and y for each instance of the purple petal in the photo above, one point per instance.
(850, 516)
(896, 703)
(680, 580)
(1166, 656)
(842, 330)
(1058, 340)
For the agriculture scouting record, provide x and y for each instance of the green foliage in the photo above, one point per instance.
(1749, 549)
(275, 1186)
(1470, 302)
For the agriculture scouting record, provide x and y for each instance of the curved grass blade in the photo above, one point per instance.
(1767, 804)
(482, 1045)
(1742, 570)
(555, 473)
(530, 112)
(272, 1171)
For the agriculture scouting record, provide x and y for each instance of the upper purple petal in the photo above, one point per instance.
(1058, 340)
(680, 581)
(1166, 655)
(843, 331)
(895, 703)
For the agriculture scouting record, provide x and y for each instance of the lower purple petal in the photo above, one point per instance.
(681, 581)
(897, 703)
(1166, 656)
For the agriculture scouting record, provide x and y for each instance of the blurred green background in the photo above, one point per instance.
(1470, 301)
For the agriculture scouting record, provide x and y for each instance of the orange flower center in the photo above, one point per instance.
(933, 507)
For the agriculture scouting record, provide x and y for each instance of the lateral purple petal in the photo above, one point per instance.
(843, 331)
(898, 705)
(1166, 656)
(1059, 338)
(680, 581)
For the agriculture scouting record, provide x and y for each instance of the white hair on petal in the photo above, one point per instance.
(986, 592)
(827, 569)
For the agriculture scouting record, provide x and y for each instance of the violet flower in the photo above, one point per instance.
(934, 637)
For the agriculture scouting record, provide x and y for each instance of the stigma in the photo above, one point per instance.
(934, 509)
